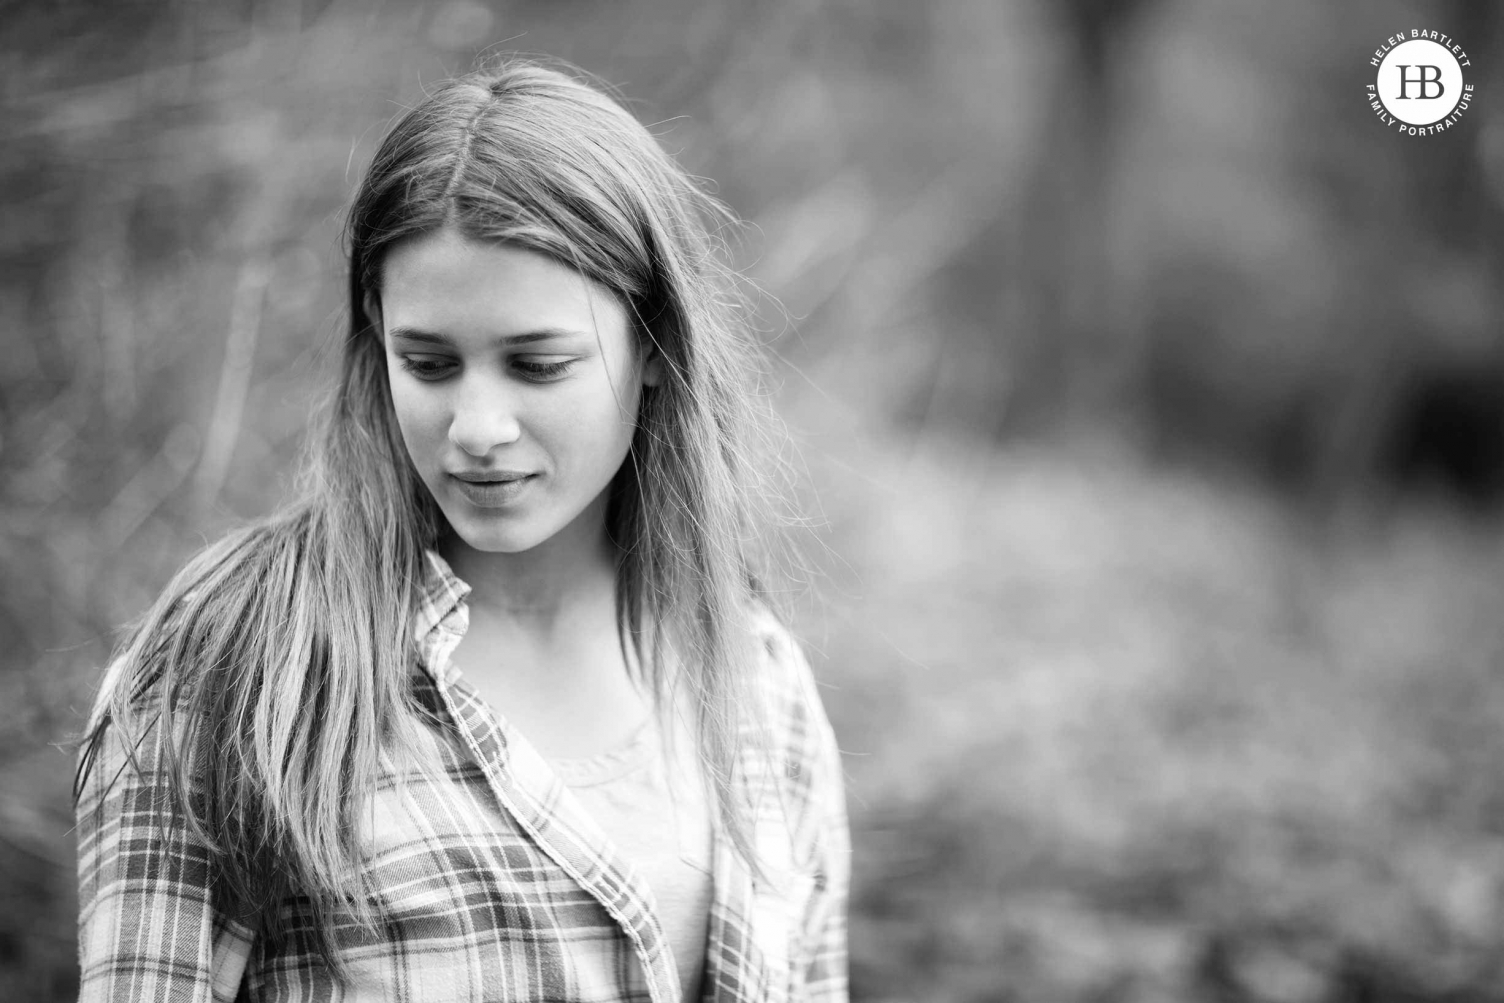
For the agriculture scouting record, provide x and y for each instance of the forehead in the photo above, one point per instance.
(454, 285)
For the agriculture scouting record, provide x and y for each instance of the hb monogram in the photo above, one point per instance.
(1424, 81)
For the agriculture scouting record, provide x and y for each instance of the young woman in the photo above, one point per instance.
(503, 707)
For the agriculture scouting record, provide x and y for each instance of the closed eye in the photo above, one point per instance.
(427, 367)
(540, 371)
(432, 368)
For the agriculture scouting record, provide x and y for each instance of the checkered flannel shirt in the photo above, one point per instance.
(493, 883)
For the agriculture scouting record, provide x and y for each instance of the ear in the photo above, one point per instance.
(652, 367)
(372, 305)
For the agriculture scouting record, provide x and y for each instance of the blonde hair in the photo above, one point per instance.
(270, 690)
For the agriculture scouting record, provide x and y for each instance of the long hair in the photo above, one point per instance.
(275, 666)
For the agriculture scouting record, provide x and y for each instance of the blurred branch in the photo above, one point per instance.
(152, 485)
(234, 381)
(24, 830)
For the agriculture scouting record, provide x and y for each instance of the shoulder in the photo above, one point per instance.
(194, 621)
(783, 664)
(796, 709)
(806, 754)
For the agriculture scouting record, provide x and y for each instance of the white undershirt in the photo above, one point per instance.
(630, 791)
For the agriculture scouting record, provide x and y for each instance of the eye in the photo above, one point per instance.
(540, 371)
(427, 367)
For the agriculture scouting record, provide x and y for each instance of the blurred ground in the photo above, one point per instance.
(1150, 392)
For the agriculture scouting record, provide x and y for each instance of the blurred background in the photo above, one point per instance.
(1149, 391)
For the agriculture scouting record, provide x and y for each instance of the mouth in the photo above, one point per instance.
(490, 476)
(493, 490)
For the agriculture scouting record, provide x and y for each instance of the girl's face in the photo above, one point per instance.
(515, 381)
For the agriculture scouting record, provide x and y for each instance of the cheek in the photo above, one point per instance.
(585, 430)
(417, 418)
(611, 418)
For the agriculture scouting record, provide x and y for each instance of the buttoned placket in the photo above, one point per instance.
(547, 811)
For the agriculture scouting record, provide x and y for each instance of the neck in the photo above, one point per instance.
(544, 591)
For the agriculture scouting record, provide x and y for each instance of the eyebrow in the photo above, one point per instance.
(526, 337)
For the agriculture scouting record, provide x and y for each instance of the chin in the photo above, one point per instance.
(496, 543)
(491, 539)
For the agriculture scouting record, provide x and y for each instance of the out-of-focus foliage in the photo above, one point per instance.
(1151, 391)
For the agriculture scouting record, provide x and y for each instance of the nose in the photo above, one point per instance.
(484, 417)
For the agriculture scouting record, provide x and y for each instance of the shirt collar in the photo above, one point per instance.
(441, 614)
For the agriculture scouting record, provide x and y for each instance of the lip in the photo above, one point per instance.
(489, 476)
(492, 492)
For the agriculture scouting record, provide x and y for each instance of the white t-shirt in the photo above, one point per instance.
(630, 791)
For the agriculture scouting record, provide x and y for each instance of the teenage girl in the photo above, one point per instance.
(501, 708)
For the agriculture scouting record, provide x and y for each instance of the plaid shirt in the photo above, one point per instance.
(493, 883)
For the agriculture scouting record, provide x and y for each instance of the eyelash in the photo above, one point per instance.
(538, 372)
(545, 370)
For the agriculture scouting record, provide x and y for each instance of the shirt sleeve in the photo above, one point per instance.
(825, 964)
(147, 929)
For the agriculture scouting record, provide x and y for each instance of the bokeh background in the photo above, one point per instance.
(1148, 391)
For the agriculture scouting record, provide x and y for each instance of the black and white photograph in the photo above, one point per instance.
(790, 501)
